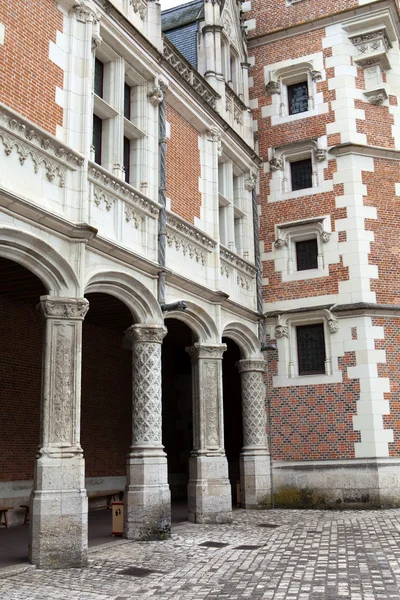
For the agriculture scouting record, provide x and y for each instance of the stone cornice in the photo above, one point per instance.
(368, 308)
(365, 150)
(325, 21)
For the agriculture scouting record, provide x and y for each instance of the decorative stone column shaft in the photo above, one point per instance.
(58, 516)
(147, 498)
(254, 459)
(209, 490)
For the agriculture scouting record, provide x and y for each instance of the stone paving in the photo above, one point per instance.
(308, 555)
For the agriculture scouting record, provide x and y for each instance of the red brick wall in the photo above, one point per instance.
(275, 14)
(314, 422)
(20, 388)
(106, 429)
(183, 167)
(385, 249)
(391, 344)
(28, 78)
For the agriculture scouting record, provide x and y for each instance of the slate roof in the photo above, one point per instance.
(180, 25)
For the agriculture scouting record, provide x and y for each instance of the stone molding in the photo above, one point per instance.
(206, 351)
(189, 239)
(64, 308)
(189, 74)
(237, 261)
(108, 188)
(28, 140)
(139, 6)
(248, 365)
(145, 334)
(234, 105)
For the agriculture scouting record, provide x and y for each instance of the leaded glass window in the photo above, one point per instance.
(298, 98)
(127, 159)
(97, 133)
(307, 255)
(311, 349)
(127, 102)
(98, 77)
(301, 171)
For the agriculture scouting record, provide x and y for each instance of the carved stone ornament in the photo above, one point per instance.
(206, 351)
(64, 308)
(216, 136)
(333, 326)
(276, 164)
(377, 99)
(86, 14)
(155, 96)
(316, 75)
(250, 181)
(281, 331)
(273, 87)
(247, 365)
(142, 334)
(326, 236)
(139, 6)
(279, 244)
(320, 154)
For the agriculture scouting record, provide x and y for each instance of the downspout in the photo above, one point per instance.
(162, 195)
(261, 328)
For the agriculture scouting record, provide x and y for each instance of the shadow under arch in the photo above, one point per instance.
(199, 321)
(36, 255)
(245, 338)
(134, 294)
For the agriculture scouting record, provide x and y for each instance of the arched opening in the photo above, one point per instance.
(106, 414)
(21, 341)
(177, 412)
(232, 401)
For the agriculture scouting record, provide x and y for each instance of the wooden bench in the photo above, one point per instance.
(110, 495)
(4, 516)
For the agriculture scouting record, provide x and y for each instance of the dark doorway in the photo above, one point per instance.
(177, 411)
(233, 428)
(106, 413)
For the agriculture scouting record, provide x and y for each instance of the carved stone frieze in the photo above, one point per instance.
(244, 282)
(155, 96)
(187, 247)
(114, 187)
(139, 6)
(64, 308)
(100, 197)
(132, 215)
(188, 239)
(273, 87)
(226, 269)
(62, 405)
(372, 48)
(238, 262)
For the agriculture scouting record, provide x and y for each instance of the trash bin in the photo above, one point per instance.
(117, 509)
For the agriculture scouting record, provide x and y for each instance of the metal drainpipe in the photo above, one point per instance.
(261, 328)
(162, 194)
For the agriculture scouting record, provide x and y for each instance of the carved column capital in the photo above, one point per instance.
(206, 351)
(146, 334)
(248, 365)
(54, 307)
(216, 136)
(155, 95)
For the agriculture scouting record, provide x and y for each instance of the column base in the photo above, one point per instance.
(58, 529)
(147, 497)
(255, 479)
(209, 490)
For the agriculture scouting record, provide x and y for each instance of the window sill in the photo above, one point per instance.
(131, 131)
(299, 380)
(277, 196)
(321, 109)
(102, 109)
(304, 275)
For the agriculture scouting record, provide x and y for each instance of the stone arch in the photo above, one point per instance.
(245, 338)
(199, 321)
(140, 301)
(40, 258)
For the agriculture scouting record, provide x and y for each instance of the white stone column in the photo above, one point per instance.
(148, 497)
(254, 459)
(58, 516)
(209, 490)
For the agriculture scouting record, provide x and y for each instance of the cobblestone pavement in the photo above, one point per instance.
(305, 555)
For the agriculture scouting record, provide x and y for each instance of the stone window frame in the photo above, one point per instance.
(279, 165)
(278, 83)
(118, 72)
(285, 333)
(286, 236)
